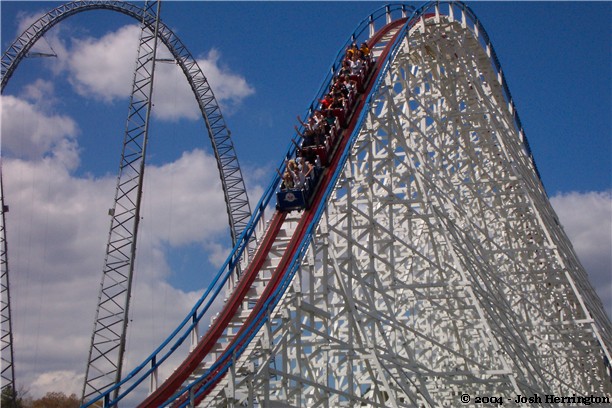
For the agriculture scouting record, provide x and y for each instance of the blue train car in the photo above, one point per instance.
(291, 199)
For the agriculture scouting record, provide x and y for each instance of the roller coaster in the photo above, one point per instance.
(422, 263)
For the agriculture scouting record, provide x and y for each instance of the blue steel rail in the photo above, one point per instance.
(182, 332)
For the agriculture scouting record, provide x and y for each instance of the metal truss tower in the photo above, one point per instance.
(438, 266)
(102, 362)
(6, 338)
(108, 340)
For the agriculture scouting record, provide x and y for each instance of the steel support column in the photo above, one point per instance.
(110, 327)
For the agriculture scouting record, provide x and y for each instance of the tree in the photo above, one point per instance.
(57, 400)
(10, 398)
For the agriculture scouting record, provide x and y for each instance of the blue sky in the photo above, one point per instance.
(63, 122)
(560, 82)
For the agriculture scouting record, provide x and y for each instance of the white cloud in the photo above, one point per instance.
(183, 200)
(28, 132)
(175, 100)
(55, 231)
(57, 228)
(41, 93)
(57, 380)
(172, 95)
(218, 253)
(587, 220)
(103, 68)
(229, 88)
